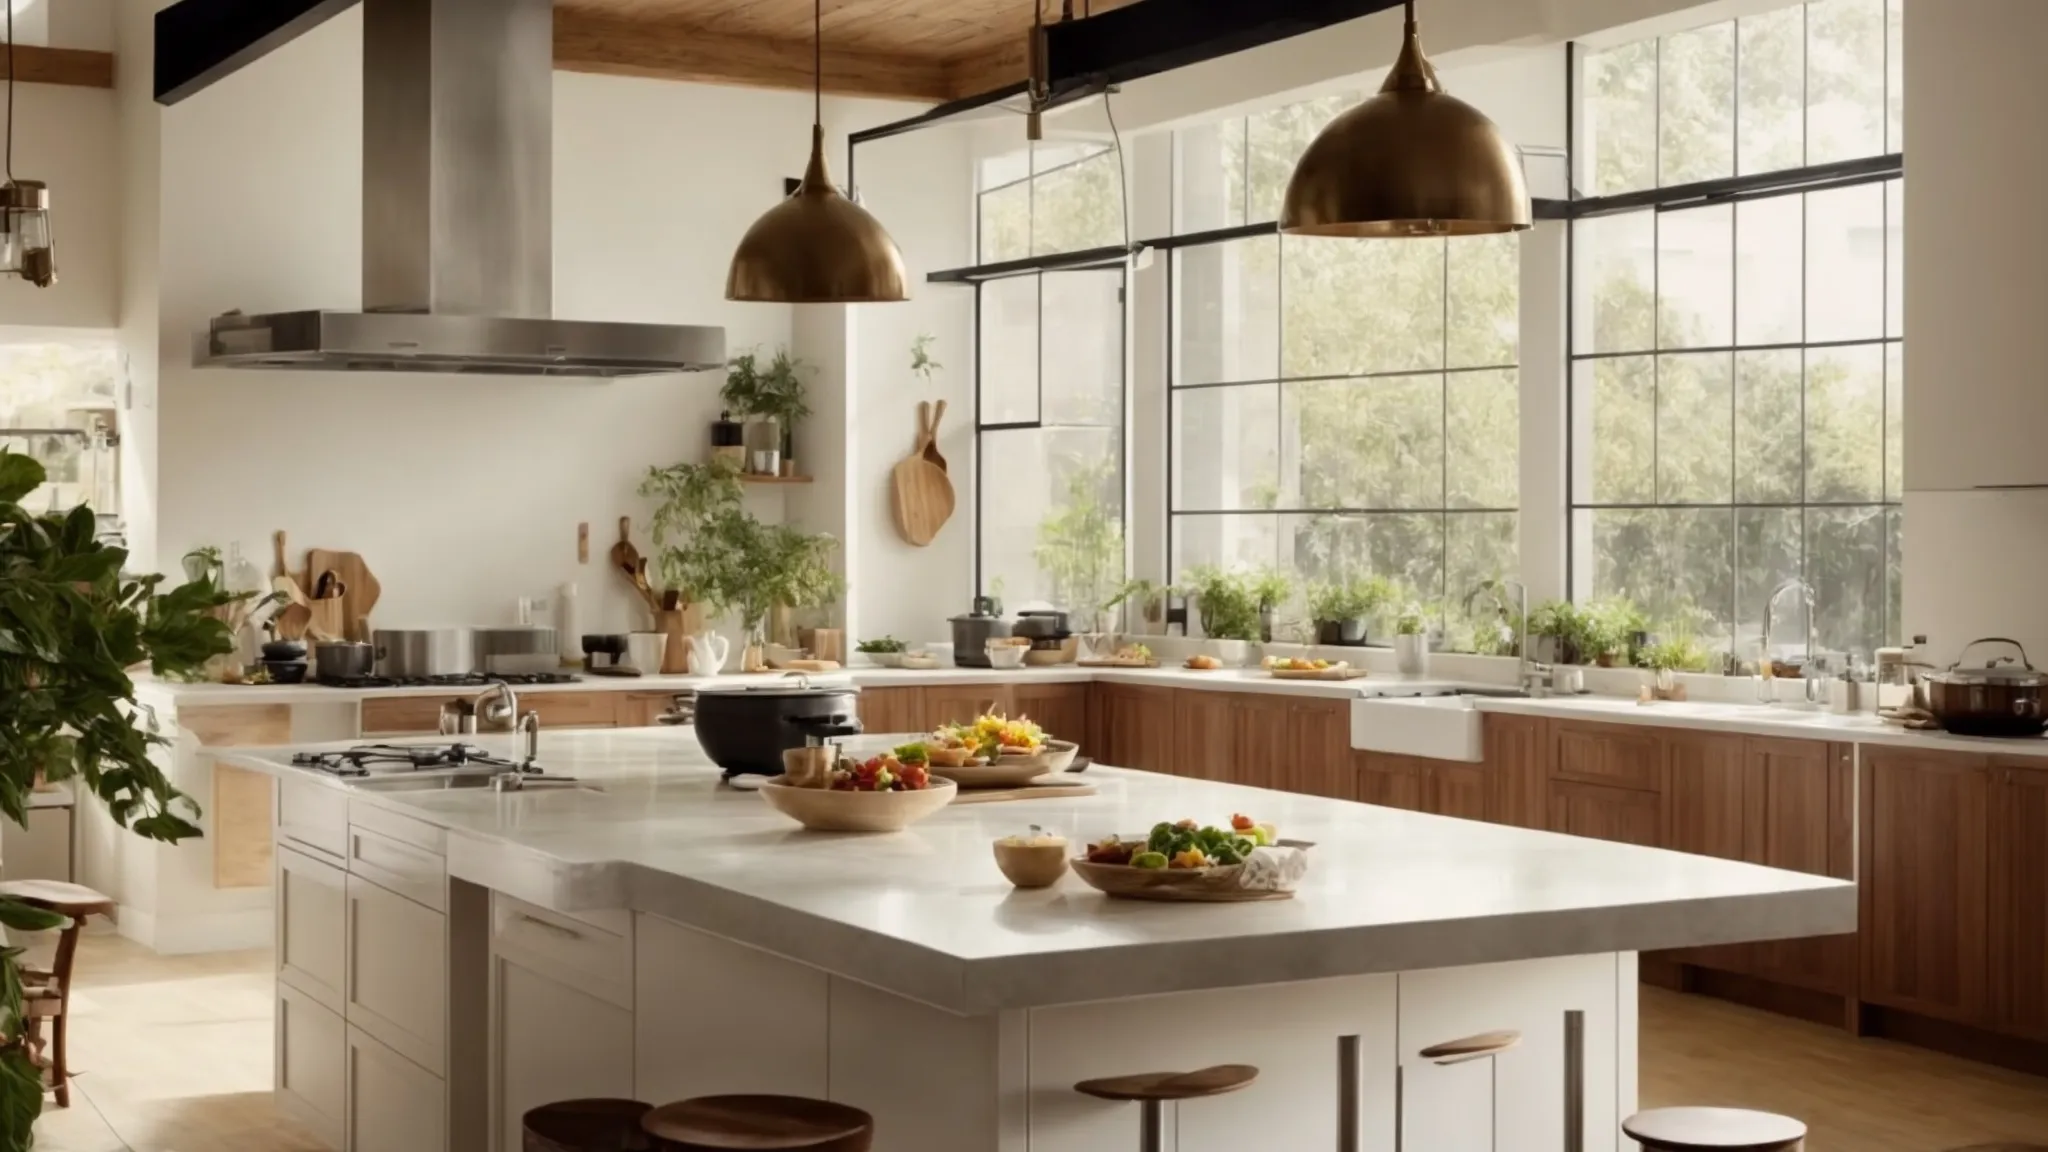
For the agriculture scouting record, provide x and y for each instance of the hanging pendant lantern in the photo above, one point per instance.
(1412, 161)
(26, 249)
(817, 246)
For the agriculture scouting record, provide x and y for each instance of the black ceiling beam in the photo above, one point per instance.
(200, 41)
(1154, 36)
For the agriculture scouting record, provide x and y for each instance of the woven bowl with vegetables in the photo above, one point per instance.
(1187, 862)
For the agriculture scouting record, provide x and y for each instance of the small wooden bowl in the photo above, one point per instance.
(826, 810)
(1032, 865)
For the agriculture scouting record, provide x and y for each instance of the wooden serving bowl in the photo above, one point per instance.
(1017, 771)
(1217, 884)
(1032, 865)
(826, 810)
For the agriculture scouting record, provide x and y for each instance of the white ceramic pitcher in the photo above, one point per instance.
(708, 651)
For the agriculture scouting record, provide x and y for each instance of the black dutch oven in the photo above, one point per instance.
(747, 729)
(2000, 699)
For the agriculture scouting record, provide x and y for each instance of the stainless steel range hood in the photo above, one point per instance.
(458, 217)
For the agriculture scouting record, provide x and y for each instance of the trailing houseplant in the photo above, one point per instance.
(774, 392)
(71, 627)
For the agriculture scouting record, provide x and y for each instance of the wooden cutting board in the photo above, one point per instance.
(921, 494)
(1028, 792)
(931, 444)
(360, 588)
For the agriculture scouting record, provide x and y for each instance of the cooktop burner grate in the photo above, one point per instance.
(359, 760)
(465, 680)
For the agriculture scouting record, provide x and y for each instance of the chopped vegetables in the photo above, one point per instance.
(1186, 845)
(884, 773)
(993, 734)
(915, 752)
(885, 645)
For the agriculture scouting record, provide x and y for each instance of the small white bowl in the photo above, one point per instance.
(922, 661)
(1006, 656)
(885, 659)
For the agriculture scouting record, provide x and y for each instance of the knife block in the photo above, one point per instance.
(679, 625)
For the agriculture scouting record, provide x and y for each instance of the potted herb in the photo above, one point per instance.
(1560, 625)
(1340, 609)
(694, 503)
(776, 566)
(1411, 639)
(1227, 607)
(1269, 588)
(1680, 651)
(73, 628)
(1606, 629)
(774, 394)
(1149, 597)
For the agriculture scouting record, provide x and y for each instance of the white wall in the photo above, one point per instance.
(66, 137)
(463, 493)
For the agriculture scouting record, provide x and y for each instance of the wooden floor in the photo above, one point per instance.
(173, 1055)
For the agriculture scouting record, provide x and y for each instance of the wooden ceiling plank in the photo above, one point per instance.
(586, 42)
(69, 66)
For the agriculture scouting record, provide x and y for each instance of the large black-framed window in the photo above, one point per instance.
(1734, 357)
(1336, 408)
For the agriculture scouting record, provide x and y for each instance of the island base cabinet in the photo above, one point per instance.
(553, 1041)
(394, 1105)
(311, 1051)
(713, 1017)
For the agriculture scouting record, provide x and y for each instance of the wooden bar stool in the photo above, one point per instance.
(46, 994)
(759, 1124)
(1714, 1130)
(587, 1126)
(1154, 1090)
(1484, 1046)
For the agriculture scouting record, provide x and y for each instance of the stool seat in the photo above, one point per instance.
(74, 900)
(1472, 1047)
(759, 1124)
(2002, 1147)
(586, 1126)
(1714, 1130)
(1214, 1081)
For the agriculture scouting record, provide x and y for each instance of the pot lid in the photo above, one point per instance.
(2006, 670)
(798, 688)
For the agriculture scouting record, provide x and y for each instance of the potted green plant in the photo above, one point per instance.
(693, 504)
(1341, 609)
(774, 394)
(1411, 639)
(73, 627)
(1226, 607)
(775, 566)
(1606, 629)
(1559, 627)
(1269, 588)
(1148, 597)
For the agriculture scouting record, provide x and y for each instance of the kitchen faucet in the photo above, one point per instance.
(498, 707)
(1534, 677)
(1766, 692)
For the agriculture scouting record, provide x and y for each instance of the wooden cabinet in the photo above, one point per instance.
(1457, 789)
(1924, 882)
(1260, 738)
(1799, 797)
(401, 715)
(1615, 755)
(311, 929)
(1061, 710)
(1703, 798)
(1316, 756)
(311, 1064)
(1518, 759)
(1391, 781)
(643, 709)
(397, 973)
(1133, 726)
(961, 703)
(552, 1040)
(1626, 815)
(892, 710)
(1204, 746)
(394, 1105)
(2019, 898)
(1418, 784)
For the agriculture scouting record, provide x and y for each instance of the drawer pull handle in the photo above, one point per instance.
(550, 925)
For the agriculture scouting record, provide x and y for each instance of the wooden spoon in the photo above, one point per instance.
(292, 620)
(627, 562)
(931, 444)
(278, 567)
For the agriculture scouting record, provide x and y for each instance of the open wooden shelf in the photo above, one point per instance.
(760, 478)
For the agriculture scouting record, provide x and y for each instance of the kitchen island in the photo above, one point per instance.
(448, 958)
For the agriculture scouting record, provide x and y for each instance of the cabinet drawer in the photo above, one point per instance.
(398, 973)
(1614, 756)
(398, 715)
(573, 709)
(564, 948)
(311, 1054)
(313, 816)
(407, 869)
(394, 1105)
(312, 927)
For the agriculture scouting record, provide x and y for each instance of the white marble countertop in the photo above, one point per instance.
(925, 914)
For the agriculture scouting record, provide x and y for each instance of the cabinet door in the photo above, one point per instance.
(715, 1017)
(1620, 814)
(1518, 758)
(1317, 761)
(312, 927)
(961, 703)
(895, 711)
(1799, 810)
(571, 709)
(1457, 790)
(553, 1042)
(398, 972)
(643, 709)
(394, 1105)
(398, 715)
(1061, 710)
(311, 1052)
(1924, 882)
(1390, 781)
(1203, 745)
(1136, 727)
(2019, 900)
(1703, 794)
(1261, 739)
(1611, 754)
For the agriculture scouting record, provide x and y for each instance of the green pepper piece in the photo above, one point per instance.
(1149, 860)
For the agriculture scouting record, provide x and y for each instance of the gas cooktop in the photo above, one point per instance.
(366, 758)
(465, 680)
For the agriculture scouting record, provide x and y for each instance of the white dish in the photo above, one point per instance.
(885, 659)
(1006, 656)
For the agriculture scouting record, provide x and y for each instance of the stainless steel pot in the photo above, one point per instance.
(972, 632)
(1999, 699)
(518, 650)
(343, 660)
(404, 653)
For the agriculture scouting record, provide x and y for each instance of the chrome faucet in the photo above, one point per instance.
(497, 707)
(1765, 690)
(1534, 677)
(529, 734)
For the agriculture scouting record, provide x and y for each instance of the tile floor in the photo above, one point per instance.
(172, 1054)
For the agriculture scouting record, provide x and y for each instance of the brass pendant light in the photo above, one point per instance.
(25, 245)
(1412, 161)
(816, 247)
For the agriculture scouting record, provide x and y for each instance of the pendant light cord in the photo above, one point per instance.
(10, 90)
(818, 62)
